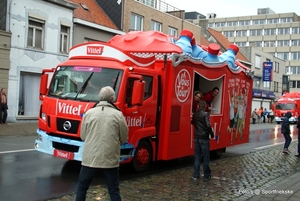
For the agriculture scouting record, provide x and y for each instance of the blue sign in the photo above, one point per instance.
(267, 71)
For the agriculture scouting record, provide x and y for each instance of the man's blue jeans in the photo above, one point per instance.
(288, 140)
(111, 177)
(201, 147)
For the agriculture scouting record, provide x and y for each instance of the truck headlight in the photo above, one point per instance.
(43, 116)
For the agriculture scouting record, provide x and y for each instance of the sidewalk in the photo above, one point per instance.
(262, 175)
(18, 129)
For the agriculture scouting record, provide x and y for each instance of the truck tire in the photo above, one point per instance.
(218, 153)
(142, 156)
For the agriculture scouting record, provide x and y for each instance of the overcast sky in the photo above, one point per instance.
(232, 8)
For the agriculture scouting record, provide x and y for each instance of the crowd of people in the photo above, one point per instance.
(262, 115)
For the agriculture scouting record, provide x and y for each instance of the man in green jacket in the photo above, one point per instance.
(103, 131)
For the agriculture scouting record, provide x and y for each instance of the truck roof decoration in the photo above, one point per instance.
(290, 96)
(144, 48)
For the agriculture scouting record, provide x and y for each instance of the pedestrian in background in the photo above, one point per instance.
(285, 130)
(203, 129)
(298, 126)
(103, 131)
(3, 106)
(254, 116)
(264, 115)
(270, 116)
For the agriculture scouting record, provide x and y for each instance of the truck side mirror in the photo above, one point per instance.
(138, 92)
(43, 84)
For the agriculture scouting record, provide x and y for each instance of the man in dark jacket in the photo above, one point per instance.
(285, 130)
(298, 126)
(203, 129)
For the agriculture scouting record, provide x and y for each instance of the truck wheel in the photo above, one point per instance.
(218, 153)
(142, 156)
(278, 122)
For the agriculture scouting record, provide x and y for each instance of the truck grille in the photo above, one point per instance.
(67, 125)
(65, 147)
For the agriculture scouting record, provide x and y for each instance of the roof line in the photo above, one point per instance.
(97, 26)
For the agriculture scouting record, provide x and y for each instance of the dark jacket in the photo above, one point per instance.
(285, 124)
(202, 125)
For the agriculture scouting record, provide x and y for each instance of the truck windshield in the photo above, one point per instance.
(287, 106)
(83, 83)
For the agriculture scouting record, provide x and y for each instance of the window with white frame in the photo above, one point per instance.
(220, 24)
(156, 26)
(257, 61)
(257, 43)
(36, 33)
(136, 22)
(262, 21)
(64, 39)
(267, 85)
(151, 3)
(256, 82)
(241, 44)
(282, 31)
(276, 66)
(295, 70)
(232, 23)
(286, 20)
(228, 33)
(295, 55)
(270, 32)
(287, 70)
(295, 30)
(241, 33)
(173, 31)
(244, 22)
(269, 43)
(283, 43)
(210, 24)
(276, 86)
(272, 21)
(255, 32)
(283, 55)
(295, 42)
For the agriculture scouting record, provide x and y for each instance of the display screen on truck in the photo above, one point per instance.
(83, 82)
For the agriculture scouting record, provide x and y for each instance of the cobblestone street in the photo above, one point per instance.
(234, 178)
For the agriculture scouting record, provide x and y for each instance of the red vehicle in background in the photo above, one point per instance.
(154, 81)
(288, 102)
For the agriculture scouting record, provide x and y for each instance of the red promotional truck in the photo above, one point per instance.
(288, 102)
(154, 81)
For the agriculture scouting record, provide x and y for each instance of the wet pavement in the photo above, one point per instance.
(248, 177)
(265, 174)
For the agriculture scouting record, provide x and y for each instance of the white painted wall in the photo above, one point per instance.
(24, 59)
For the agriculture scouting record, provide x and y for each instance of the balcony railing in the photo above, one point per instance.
(163, 7)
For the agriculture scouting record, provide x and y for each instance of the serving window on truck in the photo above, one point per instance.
(83, 83)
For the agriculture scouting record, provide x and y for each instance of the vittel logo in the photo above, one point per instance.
(94, 50)
(134, 121)
(62, 155)
(183, 85)
(65, 108)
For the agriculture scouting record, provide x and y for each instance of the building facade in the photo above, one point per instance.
(265, 92)
(35, 44)
(141, 15)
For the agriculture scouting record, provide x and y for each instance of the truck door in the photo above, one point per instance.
(141, 120)
(143, 116)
